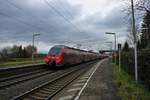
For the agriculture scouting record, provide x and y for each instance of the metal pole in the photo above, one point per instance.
(111, 52)
(135, 42)
(33, 47)
(119, 59)
(111, 49)
(136, 66)
(115, 49)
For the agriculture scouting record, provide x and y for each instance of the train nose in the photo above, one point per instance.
(52, 63)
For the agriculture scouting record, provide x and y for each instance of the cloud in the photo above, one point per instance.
(32, 18)
(60, 23)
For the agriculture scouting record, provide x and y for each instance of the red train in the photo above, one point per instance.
(60, 55)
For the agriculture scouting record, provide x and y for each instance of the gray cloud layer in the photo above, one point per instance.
(20, 19)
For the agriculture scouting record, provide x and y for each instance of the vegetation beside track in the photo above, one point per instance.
(127, 87)
(20, 61)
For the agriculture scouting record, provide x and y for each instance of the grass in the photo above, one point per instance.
(20, 61)
(127, 87)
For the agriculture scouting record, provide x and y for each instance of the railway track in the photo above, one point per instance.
(7, 72)
(49, 89)
(15, 79)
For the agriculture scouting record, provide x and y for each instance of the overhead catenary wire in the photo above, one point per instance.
(22, 10)
(18, 20)
(51, 6)
(61, 15)
(30, 27)
(65, 8)
(19, 8)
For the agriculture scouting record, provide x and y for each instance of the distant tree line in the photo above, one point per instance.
(18, 52)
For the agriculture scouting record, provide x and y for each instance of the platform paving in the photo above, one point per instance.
(101, 85)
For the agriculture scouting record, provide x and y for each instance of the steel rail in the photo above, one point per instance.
(56, 88)
(19, 70)
(52, 95)
(23, 79)
(20, 75)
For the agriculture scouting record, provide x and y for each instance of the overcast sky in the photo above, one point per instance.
(67, 22)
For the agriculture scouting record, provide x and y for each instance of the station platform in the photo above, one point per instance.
(101, 85)
(96, 84)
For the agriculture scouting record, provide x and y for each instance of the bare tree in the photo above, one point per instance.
(130, 36)
(141, 7)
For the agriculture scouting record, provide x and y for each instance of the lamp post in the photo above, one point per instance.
(115, 44)
(33, 37)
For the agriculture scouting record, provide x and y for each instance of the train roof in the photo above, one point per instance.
(63, 47)
(60, 46)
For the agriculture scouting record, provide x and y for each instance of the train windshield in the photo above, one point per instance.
(55, 51)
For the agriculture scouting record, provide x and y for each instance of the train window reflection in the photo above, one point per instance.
(55, 51)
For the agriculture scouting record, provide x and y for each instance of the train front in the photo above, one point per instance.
(54, 57)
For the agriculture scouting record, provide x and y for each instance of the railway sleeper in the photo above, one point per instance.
(41, 94)
(54, 87)
(33, 97)
(48, 92)
(45, 91)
